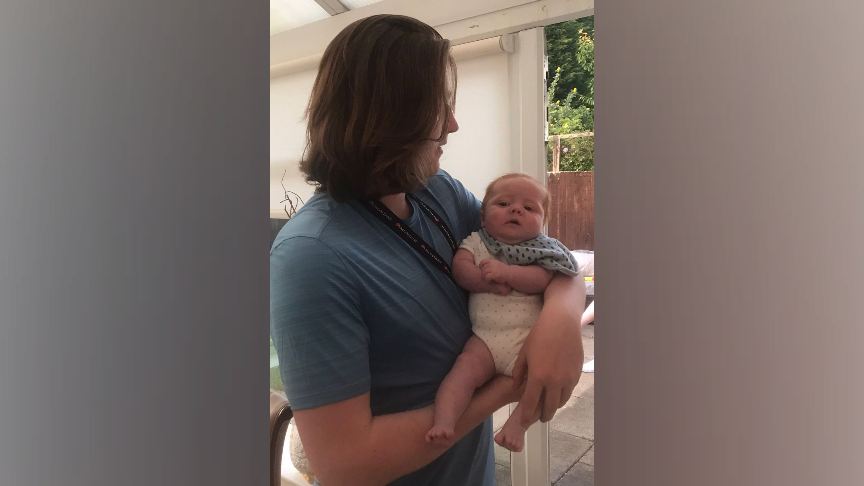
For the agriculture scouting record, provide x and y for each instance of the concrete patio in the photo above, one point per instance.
(571, 433)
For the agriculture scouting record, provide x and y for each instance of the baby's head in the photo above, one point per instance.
(515, 208)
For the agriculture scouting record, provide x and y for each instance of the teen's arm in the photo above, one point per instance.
(550, 361)
(346, 445)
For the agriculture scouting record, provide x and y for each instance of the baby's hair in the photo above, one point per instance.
(546, 200)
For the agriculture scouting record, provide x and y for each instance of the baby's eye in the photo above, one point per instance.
(503, 204)
(529, 208)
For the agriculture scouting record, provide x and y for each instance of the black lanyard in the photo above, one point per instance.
(399, 227)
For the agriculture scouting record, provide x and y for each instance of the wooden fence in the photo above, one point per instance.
(571, 215)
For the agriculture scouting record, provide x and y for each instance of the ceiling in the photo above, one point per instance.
(289, 14)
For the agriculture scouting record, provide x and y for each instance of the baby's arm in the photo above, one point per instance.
(469, 276)
(529, 279)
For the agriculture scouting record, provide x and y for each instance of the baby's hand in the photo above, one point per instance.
(499, 288)
(494, 271)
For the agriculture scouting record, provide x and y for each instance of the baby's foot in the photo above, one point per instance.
(509, 440)
(441, 435)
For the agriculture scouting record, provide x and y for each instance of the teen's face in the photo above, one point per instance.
(435, 145)
(514, 213)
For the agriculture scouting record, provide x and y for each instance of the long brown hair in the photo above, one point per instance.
(385, 83)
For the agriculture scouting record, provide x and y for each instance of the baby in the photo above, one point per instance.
(506, 266)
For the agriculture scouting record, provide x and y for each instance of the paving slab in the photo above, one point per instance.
(502, 475)
(587, 379)
(588, 458)
(502, 456)
(585, 386)
(564, 451)
(588, 342)
(576, 417)
(587, 394)
(579, 475)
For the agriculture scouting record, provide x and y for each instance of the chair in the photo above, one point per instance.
(280, 414)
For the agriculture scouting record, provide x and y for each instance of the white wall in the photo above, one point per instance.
(480, 150)
(477, 153)
(288, 98)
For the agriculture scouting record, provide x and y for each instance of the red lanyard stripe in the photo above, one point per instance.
(442, 226)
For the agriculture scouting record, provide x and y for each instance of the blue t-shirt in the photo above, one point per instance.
(355, 309)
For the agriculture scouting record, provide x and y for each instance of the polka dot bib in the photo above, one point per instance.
(544, 251)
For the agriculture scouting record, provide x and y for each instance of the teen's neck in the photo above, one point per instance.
(398, 203)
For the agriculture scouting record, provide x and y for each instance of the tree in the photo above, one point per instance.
(564, 118)
(585, 58)
(564, 43)
(571, 110)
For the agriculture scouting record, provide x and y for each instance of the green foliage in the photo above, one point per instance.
(585, 58)
(275, 376)
(564, 118)
(568, 117)
(571, 110)
(579, 155)
(564, 43)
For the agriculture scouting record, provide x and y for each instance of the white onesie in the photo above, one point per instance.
(501, 321)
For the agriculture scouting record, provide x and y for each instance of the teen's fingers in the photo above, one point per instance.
(551, 399)
(530, 401)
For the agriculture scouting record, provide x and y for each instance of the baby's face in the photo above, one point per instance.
(514, 213)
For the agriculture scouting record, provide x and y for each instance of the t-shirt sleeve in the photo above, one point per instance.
(470, 243)
(317, 325)
(469, 206)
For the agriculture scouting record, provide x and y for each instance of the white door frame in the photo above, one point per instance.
(528, 133)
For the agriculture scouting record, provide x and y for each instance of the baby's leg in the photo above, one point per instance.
(474, 367)
(512, 435)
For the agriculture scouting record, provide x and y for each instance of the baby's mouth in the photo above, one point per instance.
(513, 221)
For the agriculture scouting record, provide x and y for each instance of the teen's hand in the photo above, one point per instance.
(550, 361)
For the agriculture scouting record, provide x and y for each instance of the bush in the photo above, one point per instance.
(564, 118)
(577, 154)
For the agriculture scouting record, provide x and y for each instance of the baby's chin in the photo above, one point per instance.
(507, 237)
